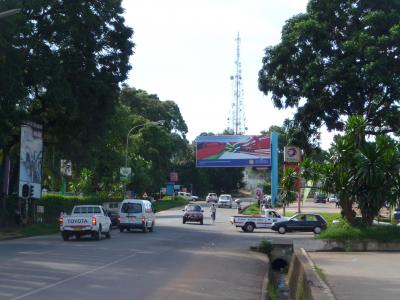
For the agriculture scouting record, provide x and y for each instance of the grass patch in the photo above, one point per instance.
(265, 246)
(320, 273)
(39, 229)
(344, 231)
(272, 293)
(168, 202)
(253, 209)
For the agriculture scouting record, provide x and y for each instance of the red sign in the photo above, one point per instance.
(173, 177)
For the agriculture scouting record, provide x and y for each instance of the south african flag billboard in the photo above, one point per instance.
(233, 151)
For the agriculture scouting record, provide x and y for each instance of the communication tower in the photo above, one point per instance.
(237, 118)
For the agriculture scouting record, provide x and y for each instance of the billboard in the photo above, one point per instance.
(233, 151)
(30, 163)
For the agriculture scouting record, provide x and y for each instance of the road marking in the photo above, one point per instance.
(11, 287)
(72, 278)
(23, 281)
(6, 294)
(33, 275)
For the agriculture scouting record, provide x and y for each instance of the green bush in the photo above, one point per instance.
(265, 246)
(345, 231)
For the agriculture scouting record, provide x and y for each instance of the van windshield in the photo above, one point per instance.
(131, 208)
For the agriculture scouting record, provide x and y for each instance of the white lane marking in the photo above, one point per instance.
(6, 294)
(72, 277)
(11, 287)
(37, 283)
(29, 276)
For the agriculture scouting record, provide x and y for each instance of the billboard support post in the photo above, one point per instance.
(274, 168)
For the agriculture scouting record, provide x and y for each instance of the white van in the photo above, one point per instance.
(136, 214)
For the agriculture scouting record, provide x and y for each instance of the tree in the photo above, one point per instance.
(338, 59)
(69, 58)
(288, 191)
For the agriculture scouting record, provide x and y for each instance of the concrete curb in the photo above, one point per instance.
(304, 281)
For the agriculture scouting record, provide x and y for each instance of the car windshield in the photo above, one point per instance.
(193, 208)
(131, 208)
(212, 195)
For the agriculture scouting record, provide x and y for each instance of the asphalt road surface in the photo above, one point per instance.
(176, 261)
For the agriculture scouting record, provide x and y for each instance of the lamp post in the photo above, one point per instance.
(8, 13)
(160, 123)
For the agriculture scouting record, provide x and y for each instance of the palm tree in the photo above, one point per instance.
(288, 188)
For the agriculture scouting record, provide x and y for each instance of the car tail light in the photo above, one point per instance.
(94, 221)
(61, 220)
(143, 219)
(119, 220)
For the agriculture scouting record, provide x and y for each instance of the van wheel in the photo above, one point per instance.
(249, 227)
(183, 220)
(121, 229)
(108, 234)
(151, 229)
(78, 237)
(145, 229)
(201, 222)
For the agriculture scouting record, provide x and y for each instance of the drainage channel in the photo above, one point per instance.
(280, 256)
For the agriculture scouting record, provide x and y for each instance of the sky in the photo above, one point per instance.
(185, 51)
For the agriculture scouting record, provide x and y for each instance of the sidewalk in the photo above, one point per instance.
(360, 275)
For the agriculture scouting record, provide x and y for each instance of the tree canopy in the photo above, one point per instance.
(338, 59)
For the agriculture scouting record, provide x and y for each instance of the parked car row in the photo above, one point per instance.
(95, 221)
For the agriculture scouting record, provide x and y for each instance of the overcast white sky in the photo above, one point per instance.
(186, 50)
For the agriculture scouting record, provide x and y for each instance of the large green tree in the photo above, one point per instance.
(67, 59)
(340, 58)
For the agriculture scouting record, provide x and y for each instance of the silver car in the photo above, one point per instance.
(225, 200)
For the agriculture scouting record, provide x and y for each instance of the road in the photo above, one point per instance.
(176, 261)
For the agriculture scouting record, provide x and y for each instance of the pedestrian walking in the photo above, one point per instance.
(213, 210)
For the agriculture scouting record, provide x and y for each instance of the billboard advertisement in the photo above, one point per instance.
(233, 151)
(30, 164)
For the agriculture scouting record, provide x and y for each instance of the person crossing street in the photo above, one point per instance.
(213, 211)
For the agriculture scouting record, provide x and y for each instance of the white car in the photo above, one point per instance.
(225, 200)
(212, 197)
(136, 214)
(249, 223)
(85, 220)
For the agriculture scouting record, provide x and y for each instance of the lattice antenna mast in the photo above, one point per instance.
(237, 119)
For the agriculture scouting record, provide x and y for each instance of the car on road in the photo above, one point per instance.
(114, 217)
(301, 222)
(193, 213)
(85, 220)
(136, 214)
(225, 200)
(320, 198)
(333, 199)
(212, 197)
(249, 223)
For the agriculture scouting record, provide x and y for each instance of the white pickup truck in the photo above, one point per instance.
(249, 223)
(85, 220)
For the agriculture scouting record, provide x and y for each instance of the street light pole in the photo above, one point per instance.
(8, 13)
(160, 122)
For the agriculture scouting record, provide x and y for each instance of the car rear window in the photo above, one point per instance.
(131, 208)
(87, 210)
(225, 197)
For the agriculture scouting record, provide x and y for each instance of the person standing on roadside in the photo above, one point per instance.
(213, 211)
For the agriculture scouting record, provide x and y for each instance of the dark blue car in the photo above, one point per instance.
(307, 222)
